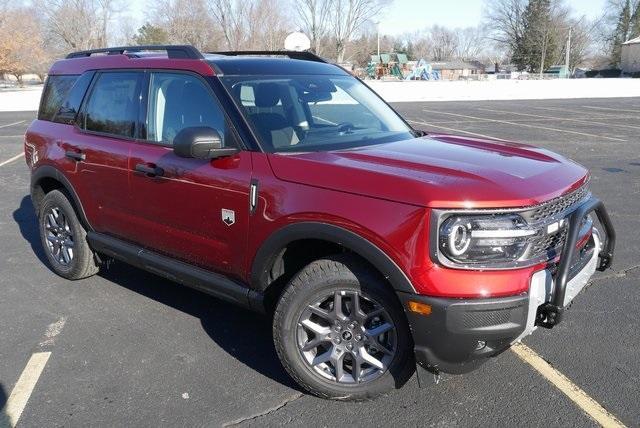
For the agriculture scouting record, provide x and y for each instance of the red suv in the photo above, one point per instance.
(279, 182)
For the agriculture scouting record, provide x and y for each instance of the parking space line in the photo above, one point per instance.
(612, 109)
(25, 385)
(8, 161)
(525, 125)
(588, 405)
(11, 124)
(582, 112)
(455, 130)
(588, 122)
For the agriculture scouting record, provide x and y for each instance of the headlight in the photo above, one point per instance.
(484, 239)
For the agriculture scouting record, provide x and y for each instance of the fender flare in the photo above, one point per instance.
(48, 171)
(279, 239)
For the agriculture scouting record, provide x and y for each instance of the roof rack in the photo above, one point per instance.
(302, 55)
(173, 51)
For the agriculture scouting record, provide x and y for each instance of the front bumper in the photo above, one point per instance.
(459, 334)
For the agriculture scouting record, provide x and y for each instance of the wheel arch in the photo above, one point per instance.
(46, 178)
(273, 248)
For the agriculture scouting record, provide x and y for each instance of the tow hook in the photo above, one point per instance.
(548, 315)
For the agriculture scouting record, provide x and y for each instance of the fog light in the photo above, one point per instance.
(480, 345)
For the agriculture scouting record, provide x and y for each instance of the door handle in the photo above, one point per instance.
(149, 170)
(76, 156)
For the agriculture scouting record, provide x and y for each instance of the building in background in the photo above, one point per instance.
(457, 69)
(631, 56)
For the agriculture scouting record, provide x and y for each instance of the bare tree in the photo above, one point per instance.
(471, 42)
(78, 24)
(21, 44)
(313, 16)
(231, 16)
(444, 43)
(347, 17)
(504, 22)
(186, 21)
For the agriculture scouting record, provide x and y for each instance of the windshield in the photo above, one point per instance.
(314, 113)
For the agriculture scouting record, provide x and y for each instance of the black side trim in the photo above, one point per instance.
(270, 249)
(206, 281)
(47, 171)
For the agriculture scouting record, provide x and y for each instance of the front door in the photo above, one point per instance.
(191, 209)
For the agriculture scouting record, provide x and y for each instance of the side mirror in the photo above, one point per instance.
(200, 142)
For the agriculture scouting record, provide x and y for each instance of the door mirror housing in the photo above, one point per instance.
(201, 142)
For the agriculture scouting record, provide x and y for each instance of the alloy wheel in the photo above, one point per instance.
(59, 236)
(346, 337)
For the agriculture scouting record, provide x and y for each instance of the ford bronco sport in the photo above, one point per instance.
(280, 183)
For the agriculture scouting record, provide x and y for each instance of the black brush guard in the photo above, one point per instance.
(550, 313)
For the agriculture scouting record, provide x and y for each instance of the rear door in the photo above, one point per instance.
(106, 127)
(194, 210)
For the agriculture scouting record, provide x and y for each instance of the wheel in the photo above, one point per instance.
(64, 239)
(340, 331)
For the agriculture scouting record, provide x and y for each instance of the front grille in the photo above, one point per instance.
(544, 244)
(557, 205)
(481, 319)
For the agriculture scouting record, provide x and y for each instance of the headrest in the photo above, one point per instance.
(266, 94)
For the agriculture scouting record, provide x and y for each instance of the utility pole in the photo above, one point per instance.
(568, 52)
(378, 31)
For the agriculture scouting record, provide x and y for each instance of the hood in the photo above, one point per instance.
(439, 171)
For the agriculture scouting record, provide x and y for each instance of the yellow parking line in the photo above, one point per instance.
(546, 128)
(590, 406)
(454, 130)
(25, 385)
(8, 161)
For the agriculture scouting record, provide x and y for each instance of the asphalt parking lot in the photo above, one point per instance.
(130, 348)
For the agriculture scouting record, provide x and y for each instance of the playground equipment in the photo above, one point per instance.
(423, 71)
(387, 64)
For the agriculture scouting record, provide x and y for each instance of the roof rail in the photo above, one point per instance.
(173, 51)
(302, 55)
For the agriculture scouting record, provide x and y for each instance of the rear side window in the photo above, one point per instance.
(54, 95)
(112, 107)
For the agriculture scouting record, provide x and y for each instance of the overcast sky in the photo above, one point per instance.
(411, 15)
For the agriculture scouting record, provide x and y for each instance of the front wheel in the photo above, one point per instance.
(340, 331)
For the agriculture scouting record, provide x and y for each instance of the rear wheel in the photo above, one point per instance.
(341, 332)
(64, 239)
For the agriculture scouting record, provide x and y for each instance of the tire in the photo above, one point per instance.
(295, 332)
(61, 230)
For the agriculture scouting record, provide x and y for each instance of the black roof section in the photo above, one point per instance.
(243, 63)
(232, 62)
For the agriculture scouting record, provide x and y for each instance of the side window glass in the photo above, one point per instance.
(178, 101)
(112, 107)
(70, 107)
(54, 95)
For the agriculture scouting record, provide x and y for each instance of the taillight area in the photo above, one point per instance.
(30, 154)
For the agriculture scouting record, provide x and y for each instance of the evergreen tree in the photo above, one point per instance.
(151, 35)
(621, 34)
(635, 22)
(535, 47)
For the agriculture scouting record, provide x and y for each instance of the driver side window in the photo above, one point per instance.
(178, 101)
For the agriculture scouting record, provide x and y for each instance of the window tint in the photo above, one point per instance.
(112, 107)
(54, 95)
(178, 101)
(70, 107)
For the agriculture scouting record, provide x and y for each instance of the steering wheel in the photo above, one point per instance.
(345, 126)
